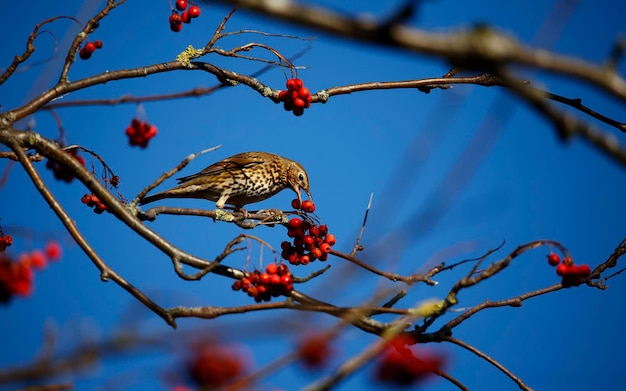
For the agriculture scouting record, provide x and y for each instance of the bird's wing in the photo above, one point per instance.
(240, 161)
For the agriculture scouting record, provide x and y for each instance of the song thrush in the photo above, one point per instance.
(241, 179)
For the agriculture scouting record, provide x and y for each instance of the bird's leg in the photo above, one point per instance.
(242, 211)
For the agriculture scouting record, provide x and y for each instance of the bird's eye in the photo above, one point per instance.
(301, 177)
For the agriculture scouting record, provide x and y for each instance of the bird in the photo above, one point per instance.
(241, 179)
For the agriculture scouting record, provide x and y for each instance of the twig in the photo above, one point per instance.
(30, 47)
(493, 362)
(357, 243)
(169, 173)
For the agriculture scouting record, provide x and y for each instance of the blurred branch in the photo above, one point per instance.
(479, 48)
(30, 47)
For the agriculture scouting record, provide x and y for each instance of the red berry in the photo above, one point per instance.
(291, 84)
(90, 47)
(98, 44)
(330, 239)
(38, 260)
(175, 19)
(272, 268)
(308, 240)
(298, 111)
(283, 269)
(237, 285)
(285, 254)
(253, 291)
(275, 279)
(553, 259)
(83, 54)
(194, 11)
(53, 250)
(264, 278)
(316, 252)
(85, 199)
(295, 203)
(298, 83)
(6, 240)
(305, 259)
(314, 230)
(304, 93)
(294, 259)
(286, 280)
(152, 131)
(295, 223)
(584, 271)
(308, 206)
(282, 96)
(181, 5)
(565, 270)
(176, 27)
(325, 247)
(298, 103)
(185, 17)
(567, 261)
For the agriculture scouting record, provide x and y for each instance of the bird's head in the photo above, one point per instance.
(298, 179)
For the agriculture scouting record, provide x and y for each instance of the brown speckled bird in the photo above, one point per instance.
(239, 180)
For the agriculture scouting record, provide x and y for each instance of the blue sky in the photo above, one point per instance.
(527, 185)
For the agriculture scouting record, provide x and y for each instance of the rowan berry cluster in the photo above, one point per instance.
(17, 277)
(61, 172)
(176, 20)
(572, 275)
(401, 365)
(310, 241)
(213, 366)
(296, 98)
(277, 280)
(90, 47)
(315, 350)
(92, 201)
(5, 241)
(140, 132)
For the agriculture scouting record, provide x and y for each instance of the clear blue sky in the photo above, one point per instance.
(527, 186)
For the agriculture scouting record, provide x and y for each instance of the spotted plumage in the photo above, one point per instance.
(239, 180)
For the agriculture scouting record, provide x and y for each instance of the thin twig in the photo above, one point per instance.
(493, 362)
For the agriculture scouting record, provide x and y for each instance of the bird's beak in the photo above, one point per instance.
(309, 194)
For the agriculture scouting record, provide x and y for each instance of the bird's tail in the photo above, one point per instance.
(152, 198)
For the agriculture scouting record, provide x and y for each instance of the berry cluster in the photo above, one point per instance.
(400, 365)
(5, 241)
(62, 173)
(139, 133)
(16, 278)
(213, 366)
(315, 350)
(572, 275)
(90, 47)
(177, 20)
(92, 201)
(310, 241)
(277, 280)
(296, 98)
